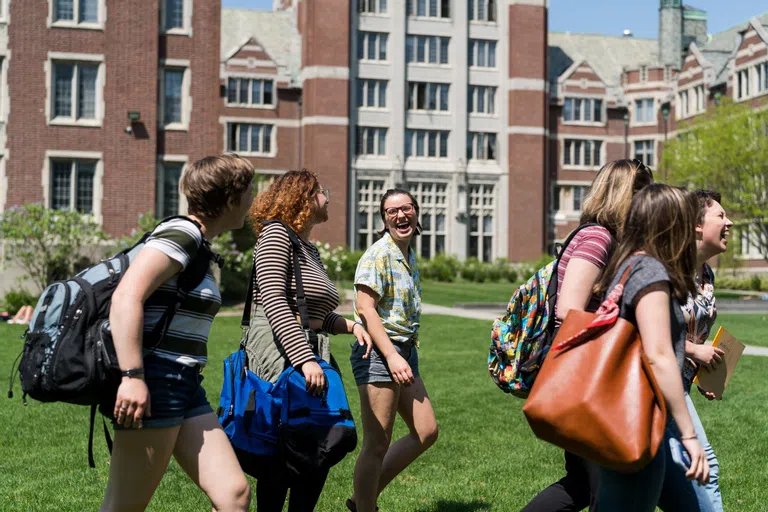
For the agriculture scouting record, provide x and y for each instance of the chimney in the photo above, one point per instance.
(670, 32)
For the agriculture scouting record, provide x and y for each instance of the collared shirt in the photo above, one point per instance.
(700, 313)
(384, 269)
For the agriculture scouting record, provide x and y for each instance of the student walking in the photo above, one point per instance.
(659, 244)
(388, 302)
(579, 268)
(276, 339)
(161, 408)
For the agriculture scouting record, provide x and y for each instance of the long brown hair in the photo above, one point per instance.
(611, 193)
(288, 199)
(661, 223)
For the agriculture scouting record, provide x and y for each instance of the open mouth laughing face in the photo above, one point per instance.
(400, 217)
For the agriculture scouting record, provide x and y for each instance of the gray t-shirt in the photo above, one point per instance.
(646, 271)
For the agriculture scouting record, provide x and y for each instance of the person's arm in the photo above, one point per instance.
(334, 323)
(653, 322)
(576, 288)
(706, 355)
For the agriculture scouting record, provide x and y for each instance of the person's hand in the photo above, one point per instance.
(707, 394)
(314, 376)
(363, 338)
(699, 469)
(708, 356)
(400, 369)
(132, 402)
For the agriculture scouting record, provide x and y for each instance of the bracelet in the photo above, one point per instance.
(688, 438)
(132, 372)
(353, 327)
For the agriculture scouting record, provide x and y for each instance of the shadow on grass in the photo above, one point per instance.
(457, 506)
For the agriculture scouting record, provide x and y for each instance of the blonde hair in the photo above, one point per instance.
(611, 193)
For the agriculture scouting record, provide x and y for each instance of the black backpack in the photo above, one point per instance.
(68, 354)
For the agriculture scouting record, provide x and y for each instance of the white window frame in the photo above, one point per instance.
(412, 9)
(490, 9)
(186, 97)
(364, 86)
(162, 160)
(648, 148)
(581, 144)
(641, 105)
(587, 103)
(413, 134)
(74, 58)
(761, 78)
(479, 144)
(439, 90)
(482, 202)
(5, 99)
(99, 24)
(643, 74)
(251, 122)
(186, 30)
(488, 94)
(490, 46)
(432, 197)
(377, 42)
(368, 198)
(4, 18)
(741, 87)
(438, 42)
(372, 7)
(98, 178)
(363, 134)
(250, 103)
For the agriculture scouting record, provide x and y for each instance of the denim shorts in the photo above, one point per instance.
(375, 369)
(175, 393)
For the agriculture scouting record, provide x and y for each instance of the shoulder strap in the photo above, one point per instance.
(559, 251)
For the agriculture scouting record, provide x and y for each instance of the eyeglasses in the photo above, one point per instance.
(407, 209)
(642, 166)
(326, 192)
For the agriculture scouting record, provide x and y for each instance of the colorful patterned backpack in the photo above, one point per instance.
(521, 338)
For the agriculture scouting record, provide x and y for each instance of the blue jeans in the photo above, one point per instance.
(661, 483)
(712, 487)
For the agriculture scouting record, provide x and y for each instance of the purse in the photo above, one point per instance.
(595, 395)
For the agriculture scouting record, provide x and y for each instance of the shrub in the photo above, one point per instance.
(14, 299)
(440, 268)
(755, 284)
(505, 271)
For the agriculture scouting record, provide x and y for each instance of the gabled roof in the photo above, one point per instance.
(721, 47)
(275, 31)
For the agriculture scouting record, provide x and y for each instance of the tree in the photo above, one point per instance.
(48, 244)
(726, 150)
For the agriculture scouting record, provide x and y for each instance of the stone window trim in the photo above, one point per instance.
(186, 30)
(368, 89)
(691, 101)
(254, 76)
(482, 53)
(5, 16)
(437, 10)
(74, 58)
(433, 198)
(481, 100)
(421, 48)
(587, 100)
(419, 142)
(98, 179)
(264, 137)
(642, 148)
(482, 209)
(371, 141)
(569, 142)
(372, 7)
(483, 12)
(748, 79)
(186, 97)
(570, 196)
(3, 181)
(160, 183)
(69, 24)
(5, 98)
(640, 102)
(367, 222)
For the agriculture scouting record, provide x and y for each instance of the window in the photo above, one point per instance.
(72, 185)
(371, 141)
(481, 99)
(250, 139)
(481, 214)
(426, 143)
(426, 49)
(579, 194)
(482, 53)
(173, 15)
(644, 110)
(668, 73)
(167, 191)
(250, 91)
(579, 152)
(371, 46)
(644, 152)
(369, 194)
(742, 89)
(372, 6)
(76, 92)
(682, 102)
(643, 73)
(372, 93)
(481, 146)
(75, 12)
(428, 96)
(174, 94)
(429, 8)
(556, 198)
(433, 215)
(482, 10)
(589, 110)
(762, 77)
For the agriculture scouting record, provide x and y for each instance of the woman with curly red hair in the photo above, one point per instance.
(275, 337)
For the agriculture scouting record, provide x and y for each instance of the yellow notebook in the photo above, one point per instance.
(715, 381)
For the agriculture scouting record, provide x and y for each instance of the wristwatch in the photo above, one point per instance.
(132, 372)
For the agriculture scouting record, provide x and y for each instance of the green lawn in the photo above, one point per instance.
(749, 329)
(486, 457)
(448, 294)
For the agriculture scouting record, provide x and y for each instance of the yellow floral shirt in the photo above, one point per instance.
(384, 269)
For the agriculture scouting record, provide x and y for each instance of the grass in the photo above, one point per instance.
(749, 329)
(486, 459)
(459, 292)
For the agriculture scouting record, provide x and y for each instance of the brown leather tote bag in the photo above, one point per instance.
(595, 394)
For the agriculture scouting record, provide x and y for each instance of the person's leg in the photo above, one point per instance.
(378, 406)
(271, 491)
(204, 453)
(713, 486)
(679, 493)
(306, 493)
(416, 410)
(139, 460)
(632, 492)
(569, 494)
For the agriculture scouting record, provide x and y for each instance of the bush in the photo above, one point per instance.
(440, 268)
(14, 299)
(505, 271)
(755, 284)
(474, 270)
